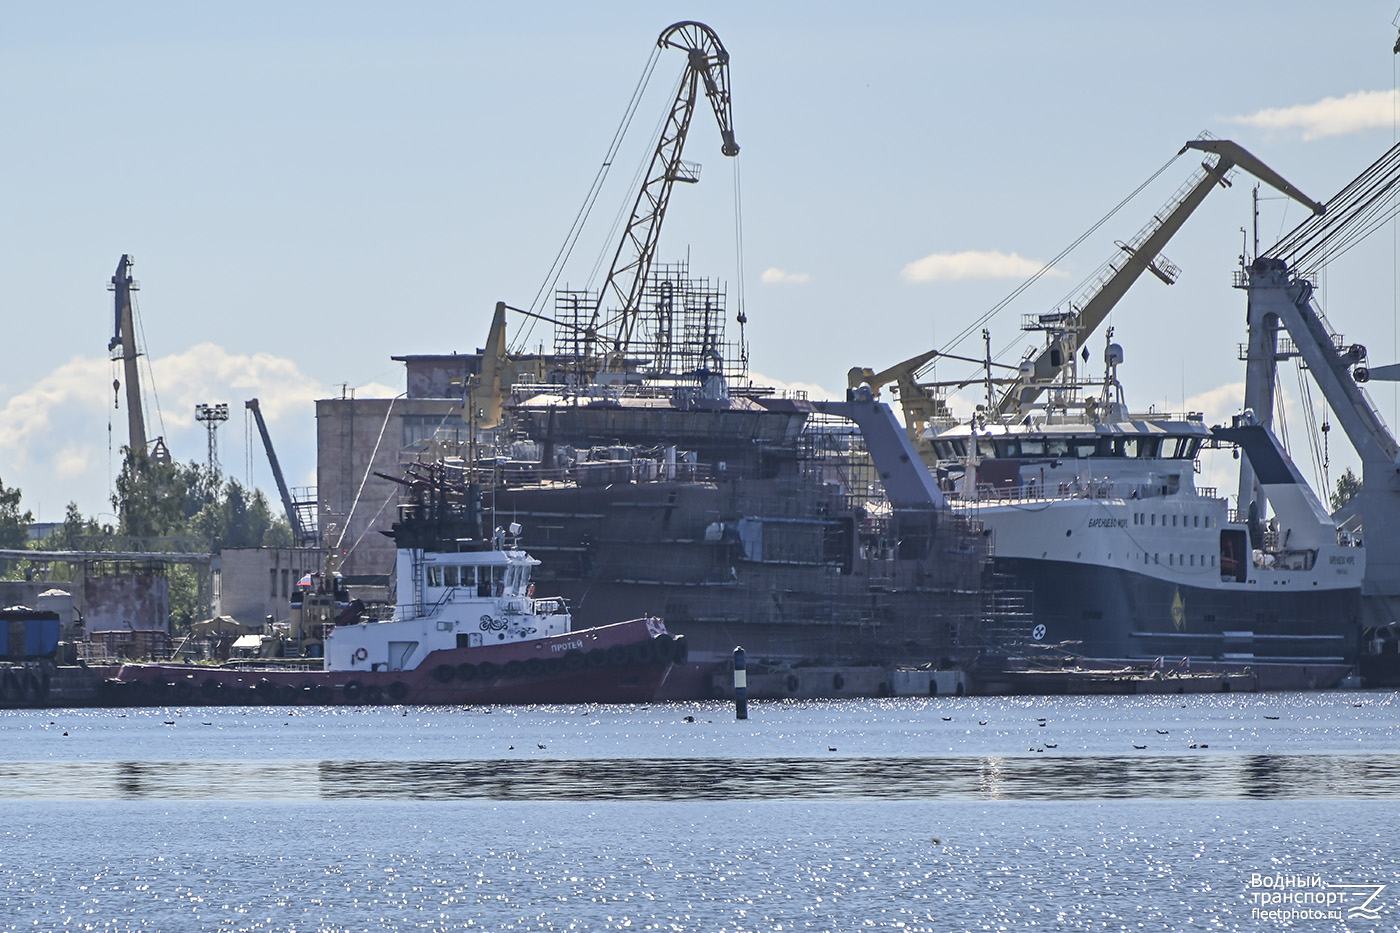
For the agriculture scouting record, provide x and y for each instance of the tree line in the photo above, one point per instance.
(161, 505)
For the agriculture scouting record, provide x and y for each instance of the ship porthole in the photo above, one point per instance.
(1038, 633)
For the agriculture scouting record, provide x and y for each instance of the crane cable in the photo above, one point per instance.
(740, 315)
(1367, 203)
(624, 213)
(1015, 293)
(556, 269)
(150, 372)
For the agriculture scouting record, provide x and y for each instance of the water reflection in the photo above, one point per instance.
(957, 778)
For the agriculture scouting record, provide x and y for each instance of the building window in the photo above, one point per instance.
(419, 429)
(273, 594)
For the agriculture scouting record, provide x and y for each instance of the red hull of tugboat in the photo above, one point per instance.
(627, 662)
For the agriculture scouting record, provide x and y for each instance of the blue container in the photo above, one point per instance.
(27, 634)
(41, 636)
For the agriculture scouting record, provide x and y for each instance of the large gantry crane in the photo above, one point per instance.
(612, 322)
(1281, 288)
(124, 337)
(124, 340)
(707, 65)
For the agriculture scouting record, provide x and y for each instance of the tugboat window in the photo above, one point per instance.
(449, 574)
(435, 576)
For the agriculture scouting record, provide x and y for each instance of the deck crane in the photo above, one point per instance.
(303, 536)
(707, 63)
(1072, 331)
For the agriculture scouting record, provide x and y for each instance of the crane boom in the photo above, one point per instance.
(1141, 256)
(707, 62)
(125, 337)
(299, 533)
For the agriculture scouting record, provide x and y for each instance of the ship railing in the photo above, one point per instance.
(1094, 489)
(549, 606)
(608, 472)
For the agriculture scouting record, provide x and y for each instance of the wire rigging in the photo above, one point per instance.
(150, 372)
(996, 309)
(556, 269)
(1366, 204)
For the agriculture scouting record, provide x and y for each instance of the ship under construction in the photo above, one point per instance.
(651, 476)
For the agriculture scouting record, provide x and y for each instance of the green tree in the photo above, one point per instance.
(14, 523)
(156, 498)
(239, 517)
(69, 536)
(14, 526)
(1348, 487)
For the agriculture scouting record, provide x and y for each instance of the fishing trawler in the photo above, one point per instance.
(466, 627)
(1097, 521)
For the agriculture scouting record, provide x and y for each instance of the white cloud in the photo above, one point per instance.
(971, 264)
(775, 276)
(1331, 116)
(62, 435)
(811, 389)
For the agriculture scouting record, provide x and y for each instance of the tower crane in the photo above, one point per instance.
(707, 64)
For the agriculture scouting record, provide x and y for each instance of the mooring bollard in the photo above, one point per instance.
(741, 685)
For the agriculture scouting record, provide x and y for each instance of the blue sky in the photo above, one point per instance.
(310, 188)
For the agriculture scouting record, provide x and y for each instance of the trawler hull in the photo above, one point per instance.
(1114, 614)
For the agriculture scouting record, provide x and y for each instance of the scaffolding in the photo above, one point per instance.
(682, 328)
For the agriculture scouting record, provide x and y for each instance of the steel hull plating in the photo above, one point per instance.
(627, 662)
(1113, 613)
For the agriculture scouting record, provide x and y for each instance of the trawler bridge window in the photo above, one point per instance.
(1085, 447)
(1145, 447)
(1181, 448)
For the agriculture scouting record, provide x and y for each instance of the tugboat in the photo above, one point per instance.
(466, 627)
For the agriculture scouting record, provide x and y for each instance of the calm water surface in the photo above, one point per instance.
(922, 814)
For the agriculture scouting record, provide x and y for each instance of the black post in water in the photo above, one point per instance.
(741, 685)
